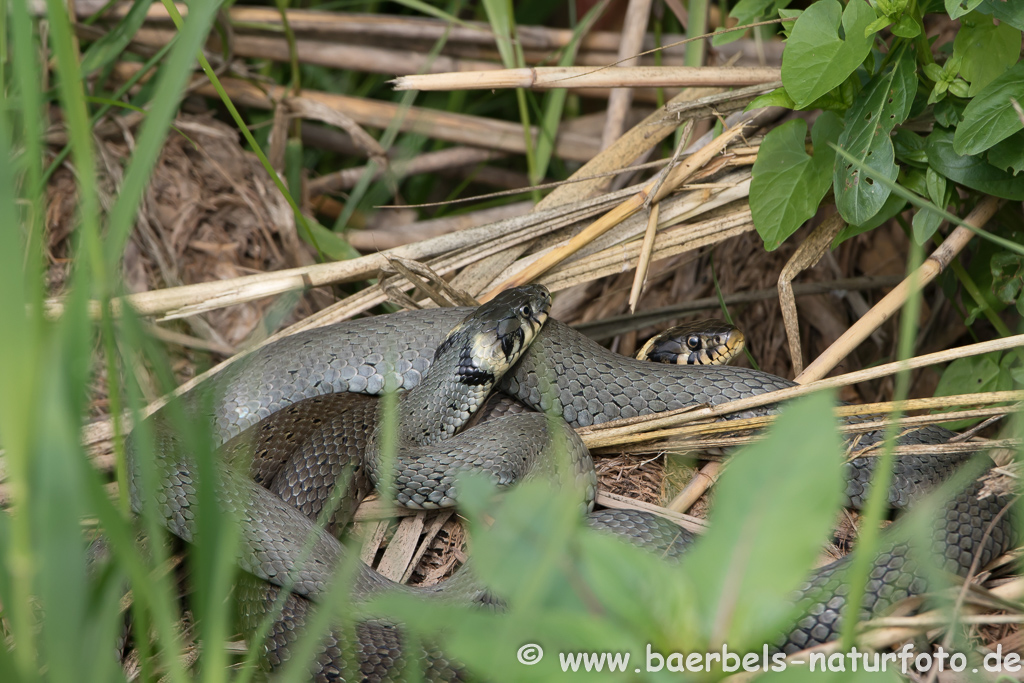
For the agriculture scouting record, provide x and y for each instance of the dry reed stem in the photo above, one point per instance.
(462, 129)
(744, 431)
(390, 238)
(484, 239)
(701, 482)
(429, 162)
(674, 178)
(616, 259)
(617, 502)
(623, 152)
(806, 256)
(645, 258)
(389, 60)
(624, 431)
(541, 77)
(894, 300)
(402, 28)
(638, 13)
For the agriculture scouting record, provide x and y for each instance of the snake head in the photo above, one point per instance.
(496, 334)
(701, 342)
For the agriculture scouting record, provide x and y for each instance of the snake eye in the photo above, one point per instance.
(693, 342)
(526, 311)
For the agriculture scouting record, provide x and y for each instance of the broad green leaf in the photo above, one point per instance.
(972, 375)
(747, 12)
(787, 184)
(877, 25)
(935, 183)
(990, 117)
(837, 99)
(742, 573)
(816, 59)
(552, 574)
(1008, 155)
(907, 27)
(924, 224)
(987, 50)
(884, 103)
(776, 98)
(957, 8)
(1010, 11)
(971, 171)
(893, 205)
(787, 26)
(949, 114)
(1007, 276)
(910, 147)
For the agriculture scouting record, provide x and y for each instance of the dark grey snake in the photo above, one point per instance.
(296, 407)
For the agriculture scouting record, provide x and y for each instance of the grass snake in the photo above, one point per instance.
(302, 410)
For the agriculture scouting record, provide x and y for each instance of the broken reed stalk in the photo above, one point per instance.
(429, 162)
(894, 300)
(542, 77)
(672, 179)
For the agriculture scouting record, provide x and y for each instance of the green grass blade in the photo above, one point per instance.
(554, 100)
(108, 48)
(173, 76)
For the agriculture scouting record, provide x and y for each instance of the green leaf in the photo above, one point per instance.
(971, 171)
(987, 50)
(972, 375)
(329, 242)
(787, 184)
(1007, 276)
(877, 25)
(816, 59)
(776, 98)
(924, 224)
(884, 102)
(957, 8)
(935, 184)
(910, 147)
(990, 117)
(787, 27)
(893, 205)
(1008, 155)
(747, 10)
(907, 27)
(949, 114)
(743, 573)
(1005, 10)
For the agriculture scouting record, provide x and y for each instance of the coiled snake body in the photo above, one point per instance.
(306, 387)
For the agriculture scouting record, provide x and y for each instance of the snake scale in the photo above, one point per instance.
(312, 392)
